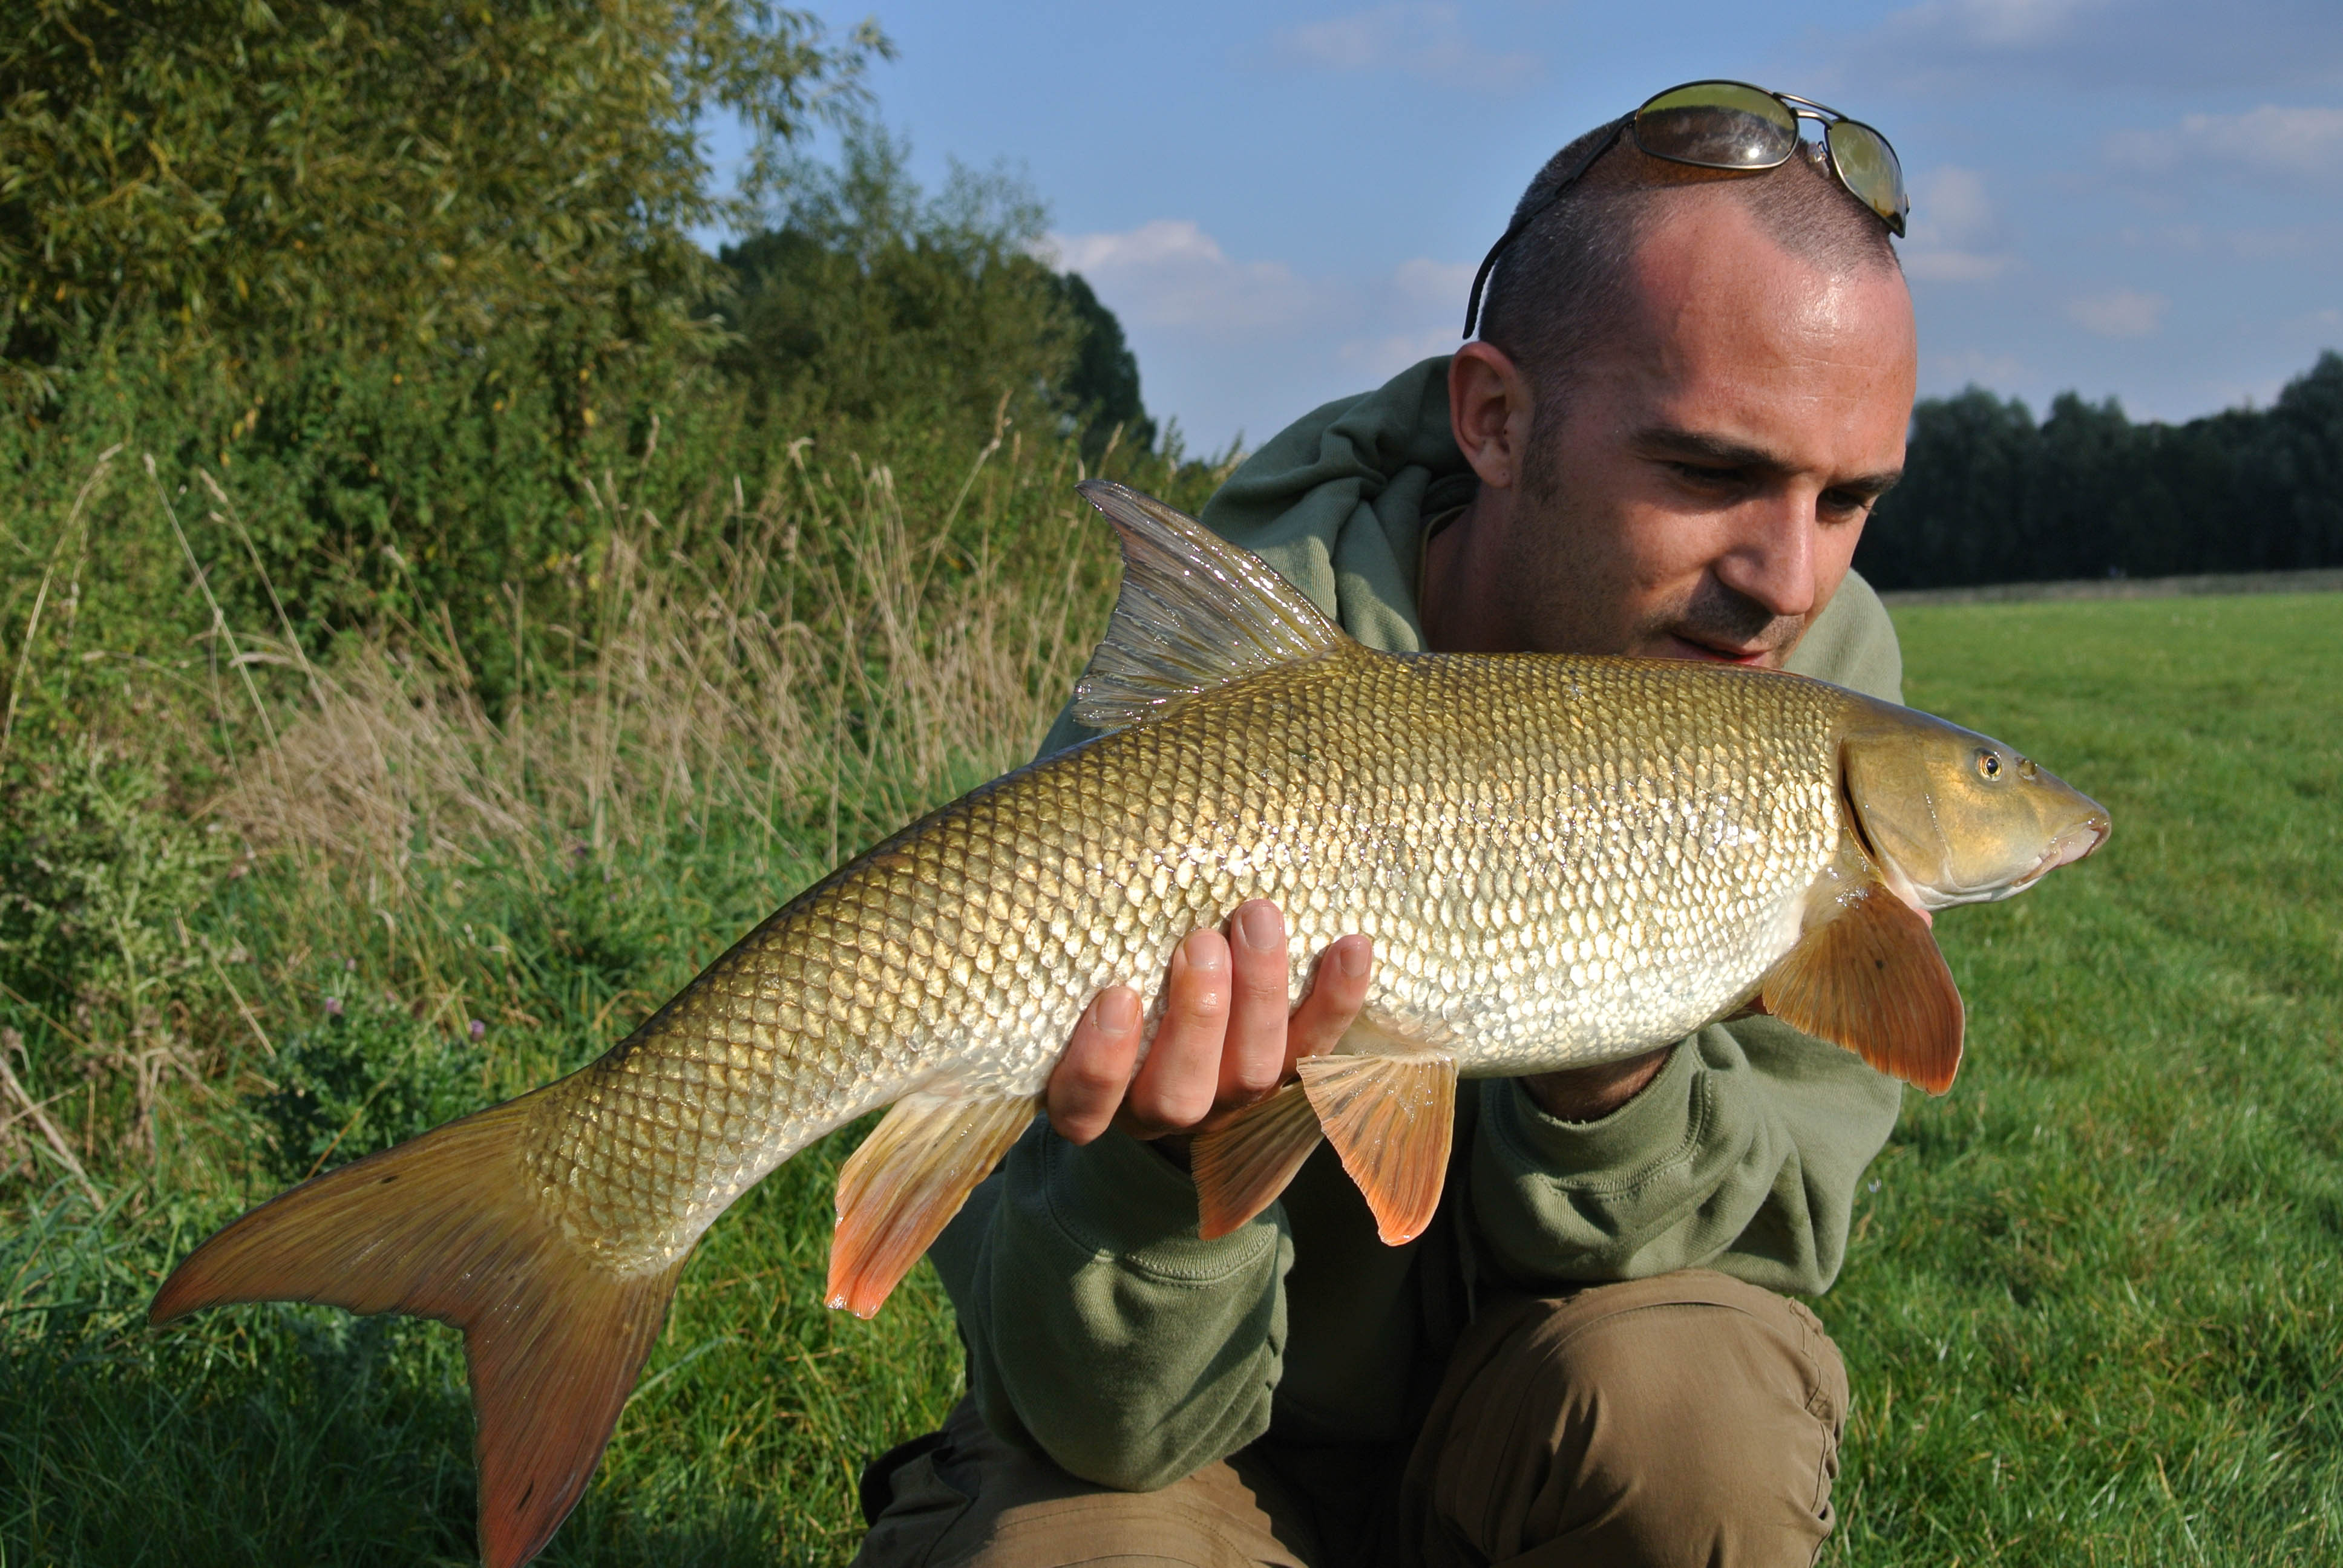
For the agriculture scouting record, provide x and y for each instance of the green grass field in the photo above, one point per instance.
(2090, 1312)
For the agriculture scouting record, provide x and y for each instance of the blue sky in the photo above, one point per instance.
(1284, 204)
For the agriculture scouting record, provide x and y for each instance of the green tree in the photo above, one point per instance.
(1989, 495)
(867, 298)
(397, 173)
(1102, 387)
(407, 272)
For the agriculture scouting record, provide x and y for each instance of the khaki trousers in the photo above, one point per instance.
(1689, 1419)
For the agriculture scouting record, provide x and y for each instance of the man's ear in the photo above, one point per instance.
(1491, 410)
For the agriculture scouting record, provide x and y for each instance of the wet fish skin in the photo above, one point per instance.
(1558, 864)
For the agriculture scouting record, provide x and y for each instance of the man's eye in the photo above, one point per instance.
(1839, 503)
(1711, 478)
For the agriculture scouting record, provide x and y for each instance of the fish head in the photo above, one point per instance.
(1952, 817)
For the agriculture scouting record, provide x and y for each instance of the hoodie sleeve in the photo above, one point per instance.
(1101, 1330)
(1742, 1156)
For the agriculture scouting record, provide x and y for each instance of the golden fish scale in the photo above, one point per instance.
(1561, 861)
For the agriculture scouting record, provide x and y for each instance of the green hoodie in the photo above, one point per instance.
(1102, 1332)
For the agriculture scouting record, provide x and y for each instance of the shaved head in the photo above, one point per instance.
(1566, 281)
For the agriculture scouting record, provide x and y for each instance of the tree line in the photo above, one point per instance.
(1990, 495)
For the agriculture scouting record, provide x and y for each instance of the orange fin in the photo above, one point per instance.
(448, 1226)
(1242, 1165)
(901, 1188)
(1873, 981)
(1390, 1118)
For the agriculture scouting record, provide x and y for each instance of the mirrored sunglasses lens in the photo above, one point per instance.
(1868, 165)
(1717, 126)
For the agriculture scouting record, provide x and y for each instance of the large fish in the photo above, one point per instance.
(1562, 861)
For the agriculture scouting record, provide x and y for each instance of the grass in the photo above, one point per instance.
(2091, 1312)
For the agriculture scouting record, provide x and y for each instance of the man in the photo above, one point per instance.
(1691, 384)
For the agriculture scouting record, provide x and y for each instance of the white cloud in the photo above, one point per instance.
(1972, 368)
(2119, 312)
(1422, 40)
(1957, 235)
(1999, 23)
(1967, 47)
(1415, 313)
(1228, 345)
(2293, 143)
(1443, 283)
(1171, 273)
(1378, 359)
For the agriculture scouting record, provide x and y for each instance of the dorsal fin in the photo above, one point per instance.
(1195, 612)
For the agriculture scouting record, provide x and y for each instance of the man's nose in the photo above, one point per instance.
(1773, 559)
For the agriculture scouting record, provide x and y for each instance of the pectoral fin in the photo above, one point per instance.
(1390, 1118)
(1244, 1163)
(899, 1190)
(1872, 980)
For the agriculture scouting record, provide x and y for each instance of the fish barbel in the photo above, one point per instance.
(1562, 861)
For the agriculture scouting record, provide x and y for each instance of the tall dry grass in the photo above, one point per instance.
(764, 680)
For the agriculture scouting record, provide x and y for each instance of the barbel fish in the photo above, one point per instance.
(1562, 861)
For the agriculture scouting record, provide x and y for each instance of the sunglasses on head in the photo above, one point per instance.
(1731, 125)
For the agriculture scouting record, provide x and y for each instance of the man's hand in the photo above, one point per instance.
(1225, 1040)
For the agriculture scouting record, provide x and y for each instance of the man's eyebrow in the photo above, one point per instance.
(1673, 441)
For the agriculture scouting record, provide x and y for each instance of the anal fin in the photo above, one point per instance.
(1390, 1118)
(1872, 980)
(899, 1190)
(1242, 1165)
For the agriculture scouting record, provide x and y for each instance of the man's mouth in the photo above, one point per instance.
(1682, 646)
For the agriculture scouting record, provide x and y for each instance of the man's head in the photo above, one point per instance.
(1689, 389)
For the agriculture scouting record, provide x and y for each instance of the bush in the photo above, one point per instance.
(365, 1077)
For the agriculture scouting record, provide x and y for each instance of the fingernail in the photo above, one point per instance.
(1117, 1012)
(1257, 925)
(1353, 958)
(1202, 951)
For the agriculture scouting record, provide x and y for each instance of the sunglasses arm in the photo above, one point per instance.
(1530, 214)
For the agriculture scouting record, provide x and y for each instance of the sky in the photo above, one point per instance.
(1284, 204)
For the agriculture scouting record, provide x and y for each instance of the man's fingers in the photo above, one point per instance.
(1176, 1084)
(1338, 989)
(1087, 1086)
(1253, 1060)
(1224, 1040)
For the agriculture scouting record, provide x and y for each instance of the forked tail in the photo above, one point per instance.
(448, 1226)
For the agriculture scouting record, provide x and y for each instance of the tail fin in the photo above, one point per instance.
(448, 1226)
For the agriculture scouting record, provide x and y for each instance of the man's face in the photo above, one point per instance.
(1702, 490)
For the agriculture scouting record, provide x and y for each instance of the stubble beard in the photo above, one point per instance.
(1555, 577)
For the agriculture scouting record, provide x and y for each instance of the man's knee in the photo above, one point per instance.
(971, 1501)
(1686, 1419)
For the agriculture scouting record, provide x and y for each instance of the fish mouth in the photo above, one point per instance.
(2069, 846)
(2077, 842)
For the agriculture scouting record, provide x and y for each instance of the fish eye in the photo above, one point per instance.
(1989, 764)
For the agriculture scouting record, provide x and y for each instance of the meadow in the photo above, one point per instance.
(320, 900)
